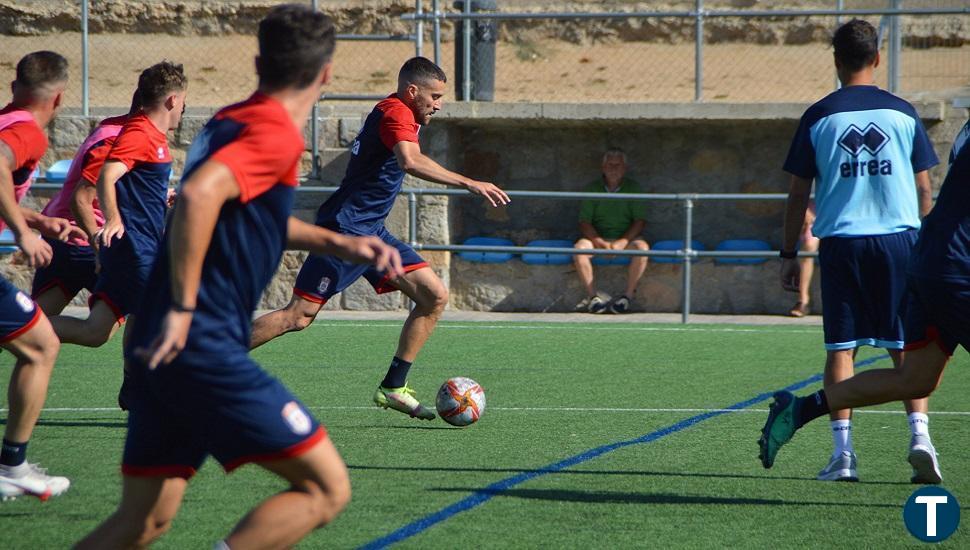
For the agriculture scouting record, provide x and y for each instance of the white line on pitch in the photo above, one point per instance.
(611, 328)
(536, 409)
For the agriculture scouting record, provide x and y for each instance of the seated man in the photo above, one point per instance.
(611, 224)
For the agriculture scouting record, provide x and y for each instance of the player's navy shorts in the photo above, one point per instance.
(864, 289)
(71, 270)
(940, 312)
(18, 313)
(220, 405)
(124, 275)
(322, 277)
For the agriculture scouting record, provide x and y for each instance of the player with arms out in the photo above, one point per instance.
(74, 266)
(869, 154)
(24, 329)
(196, 391)
(132, 190)
(385, 150)
(937, 321)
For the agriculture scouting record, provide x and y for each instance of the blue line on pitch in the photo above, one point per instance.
(494, 489)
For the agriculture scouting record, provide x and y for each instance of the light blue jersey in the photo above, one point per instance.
(862, 145)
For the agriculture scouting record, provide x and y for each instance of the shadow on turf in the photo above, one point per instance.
(607, 497)
(601, 472)
(92, 423)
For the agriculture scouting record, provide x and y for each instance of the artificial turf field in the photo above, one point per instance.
(685, 473)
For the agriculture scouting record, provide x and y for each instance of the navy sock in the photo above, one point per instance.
(13, 454)
(811, 407)
(397, 374)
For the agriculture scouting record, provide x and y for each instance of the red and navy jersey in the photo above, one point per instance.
(89, 159)
(373, 177)
(143, 191)
(28, 143)
(259, 143)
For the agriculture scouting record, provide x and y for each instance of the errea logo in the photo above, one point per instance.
(871, 140)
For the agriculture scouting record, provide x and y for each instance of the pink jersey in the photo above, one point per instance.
(91, 155)
(20, 132)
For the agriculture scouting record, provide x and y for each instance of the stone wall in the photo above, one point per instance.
(673, 148)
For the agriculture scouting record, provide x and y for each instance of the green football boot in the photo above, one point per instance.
(402, 400)
(779, 428)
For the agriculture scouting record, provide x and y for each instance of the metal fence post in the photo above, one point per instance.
(437, 32)
(315, 129)
(699, 51)
(85, 89)
(419, 28)
(688, 237)
(839, 5)
(412, 229)
(896, 46)
(466, 54)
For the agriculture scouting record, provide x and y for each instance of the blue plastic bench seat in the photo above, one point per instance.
(58, 171)
(8, 242)
(548, 259)
(673, 245)
(487, 257)
(745, 245)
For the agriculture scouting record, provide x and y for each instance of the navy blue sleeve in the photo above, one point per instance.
(924, 157)
(801, 154)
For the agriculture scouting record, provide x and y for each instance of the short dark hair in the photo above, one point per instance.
(295, 42)
(39, 70)
(856, 44)
(420, 70)
(159, 80)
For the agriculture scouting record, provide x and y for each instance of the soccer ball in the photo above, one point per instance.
(461, 401)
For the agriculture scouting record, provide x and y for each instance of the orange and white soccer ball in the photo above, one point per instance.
(461, 401)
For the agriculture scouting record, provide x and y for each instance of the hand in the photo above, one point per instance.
(170, 341)
(600, 242)
(791, 273)
(112, 229)
(490, 191)
(619, 244)
(372, 250)
(58, 228)
(35, 249)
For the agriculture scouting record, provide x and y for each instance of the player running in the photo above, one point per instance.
(869, 154)
(936, 322)
(197, 391)
(385, 150)
(132, 189)
(24, 330)
(74, 265)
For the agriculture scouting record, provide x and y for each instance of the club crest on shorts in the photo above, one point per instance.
(24, 302)
(298, 420)
(324, 285)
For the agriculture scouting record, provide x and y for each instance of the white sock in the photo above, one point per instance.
(919, 424)
(841, 436)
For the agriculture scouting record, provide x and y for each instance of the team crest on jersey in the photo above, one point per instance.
(161, 153)
(298, 420)
(324, 285)
(24, 302)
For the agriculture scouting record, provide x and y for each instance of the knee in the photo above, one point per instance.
(584, 244)
(437, 298)
(327, 501)
(300, 316)
(919, 383)
(154, 528)
(639, 244)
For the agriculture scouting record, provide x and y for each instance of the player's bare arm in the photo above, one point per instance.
(108, 200)
(82, 206)
(924, 193)
(51, 227)
(188, 238)
(414, 162)
(37, 251)
(799, 192)
(362, 250)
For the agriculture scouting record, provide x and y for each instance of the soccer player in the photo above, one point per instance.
(74, 266)
(385, 149)
(198, 392)
(937, 320)
(132, 190)
(868, 154)
(24, 330)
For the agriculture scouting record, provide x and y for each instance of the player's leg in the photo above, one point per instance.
(101, 324)
(148, 505)
(71, 269)
(319, 490)
(297, 315)
(634, 272)
(34, 347)
(53, 300)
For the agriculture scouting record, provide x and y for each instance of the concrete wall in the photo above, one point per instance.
(672, 148)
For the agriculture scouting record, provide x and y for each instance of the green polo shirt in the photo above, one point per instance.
(612, 218)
